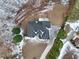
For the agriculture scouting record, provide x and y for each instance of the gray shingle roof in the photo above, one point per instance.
(38, 28)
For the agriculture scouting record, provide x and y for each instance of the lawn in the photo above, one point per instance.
(54, 52)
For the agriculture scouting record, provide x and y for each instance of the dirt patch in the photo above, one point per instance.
(56, 16)
(33, 50)
(5, 51)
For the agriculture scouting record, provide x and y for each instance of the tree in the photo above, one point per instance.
(16, 30)
(17, 38)
(74, 13)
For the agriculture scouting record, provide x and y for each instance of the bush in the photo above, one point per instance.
(17, 38)
(16, 30)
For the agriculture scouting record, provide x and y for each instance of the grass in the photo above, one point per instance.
(55, 51)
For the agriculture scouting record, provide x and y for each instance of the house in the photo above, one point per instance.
(38, 28)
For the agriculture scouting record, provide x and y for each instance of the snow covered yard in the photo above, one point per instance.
(68, 48)
(8, 9)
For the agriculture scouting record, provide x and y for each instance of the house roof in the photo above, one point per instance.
(38, 28)
(70, 55)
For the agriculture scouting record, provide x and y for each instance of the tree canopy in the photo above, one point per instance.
(74, 13)
(17, 38)
(16, 30)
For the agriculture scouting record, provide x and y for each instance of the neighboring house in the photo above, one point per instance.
(70, 55)
(76, 39)
(67, 28)
(70, 36)
(69, 48)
